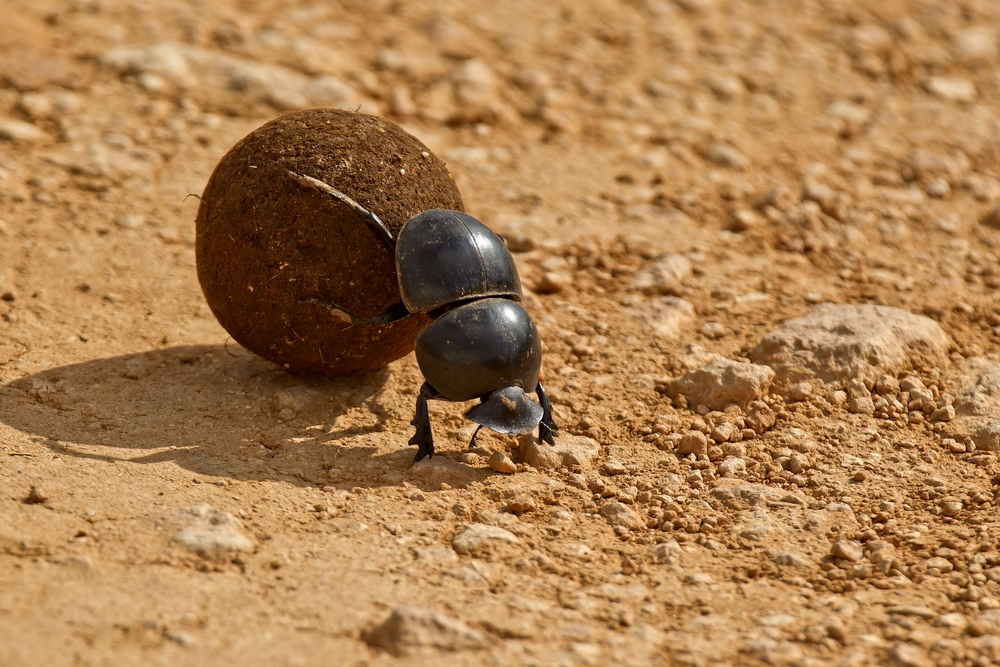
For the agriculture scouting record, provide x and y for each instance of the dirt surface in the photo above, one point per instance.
(678, 180)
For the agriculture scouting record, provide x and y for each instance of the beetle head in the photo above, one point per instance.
(507, 410)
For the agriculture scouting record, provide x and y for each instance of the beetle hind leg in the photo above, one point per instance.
(547, 428)
(374, 223)
(423, 438)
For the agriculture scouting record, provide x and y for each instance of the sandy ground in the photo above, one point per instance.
(195, 504)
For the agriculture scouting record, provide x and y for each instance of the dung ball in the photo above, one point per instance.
(274, 255)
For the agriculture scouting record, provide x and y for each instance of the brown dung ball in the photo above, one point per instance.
(271, 251)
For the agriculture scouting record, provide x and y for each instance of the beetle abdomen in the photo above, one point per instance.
(478, 347)
(444, 257)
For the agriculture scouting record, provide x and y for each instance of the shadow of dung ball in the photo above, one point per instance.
(269, 249)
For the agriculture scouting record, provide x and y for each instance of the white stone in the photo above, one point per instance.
(954, 621)
(475, 85)
(979, 394)
(416, 631)
(664, 276)
(501, 463)
(441, 469)
(987, 435)
(837, 343)
(732, 467)
(745, 496)
(668, 316)
(666, 552)
(849, 112)
(975, 43)
(209, 532)
(952, 88)
(793, 560)
(775, 652)
(477, 538)
(331, 92)
(618, 514)
(985, 623)
(204, 73)
(569, 450)
(909, 655)
(727, 155)
(721, 382)
(135, 369)
(18, 131)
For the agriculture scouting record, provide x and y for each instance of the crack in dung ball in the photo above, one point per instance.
(271, 252)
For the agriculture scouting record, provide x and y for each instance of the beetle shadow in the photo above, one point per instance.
(220, 412)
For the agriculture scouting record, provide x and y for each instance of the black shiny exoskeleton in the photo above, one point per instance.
(481, 342)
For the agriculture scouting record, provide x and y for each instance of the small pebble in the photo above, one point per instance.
(414, 494)
(726, 432)
(614, 467)
(938, 188)
(951, 507)
(522, 503)
(502, 463)
(712, 330)
(553, 281)
(954, 621)
(732, 467)
(801, 391)
(135, 369)
(952, 88)
(726, 155)
(694, 442)
(37, 495)
(908, 655)
(847, 549)
(130, 221)
(887, 386)
(20, 132)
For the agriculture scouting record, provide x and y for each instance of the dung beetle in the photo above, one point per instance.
(481, 343)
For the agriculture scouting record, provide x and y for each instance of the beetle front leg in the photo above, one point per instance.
(423, 438)
(472, 443)
(547, 428)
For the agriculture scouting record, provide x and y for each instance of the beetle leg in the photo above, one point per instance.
(396, 311)
(547, 428)
(372, 220)
(423, 438)
(472, 443)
